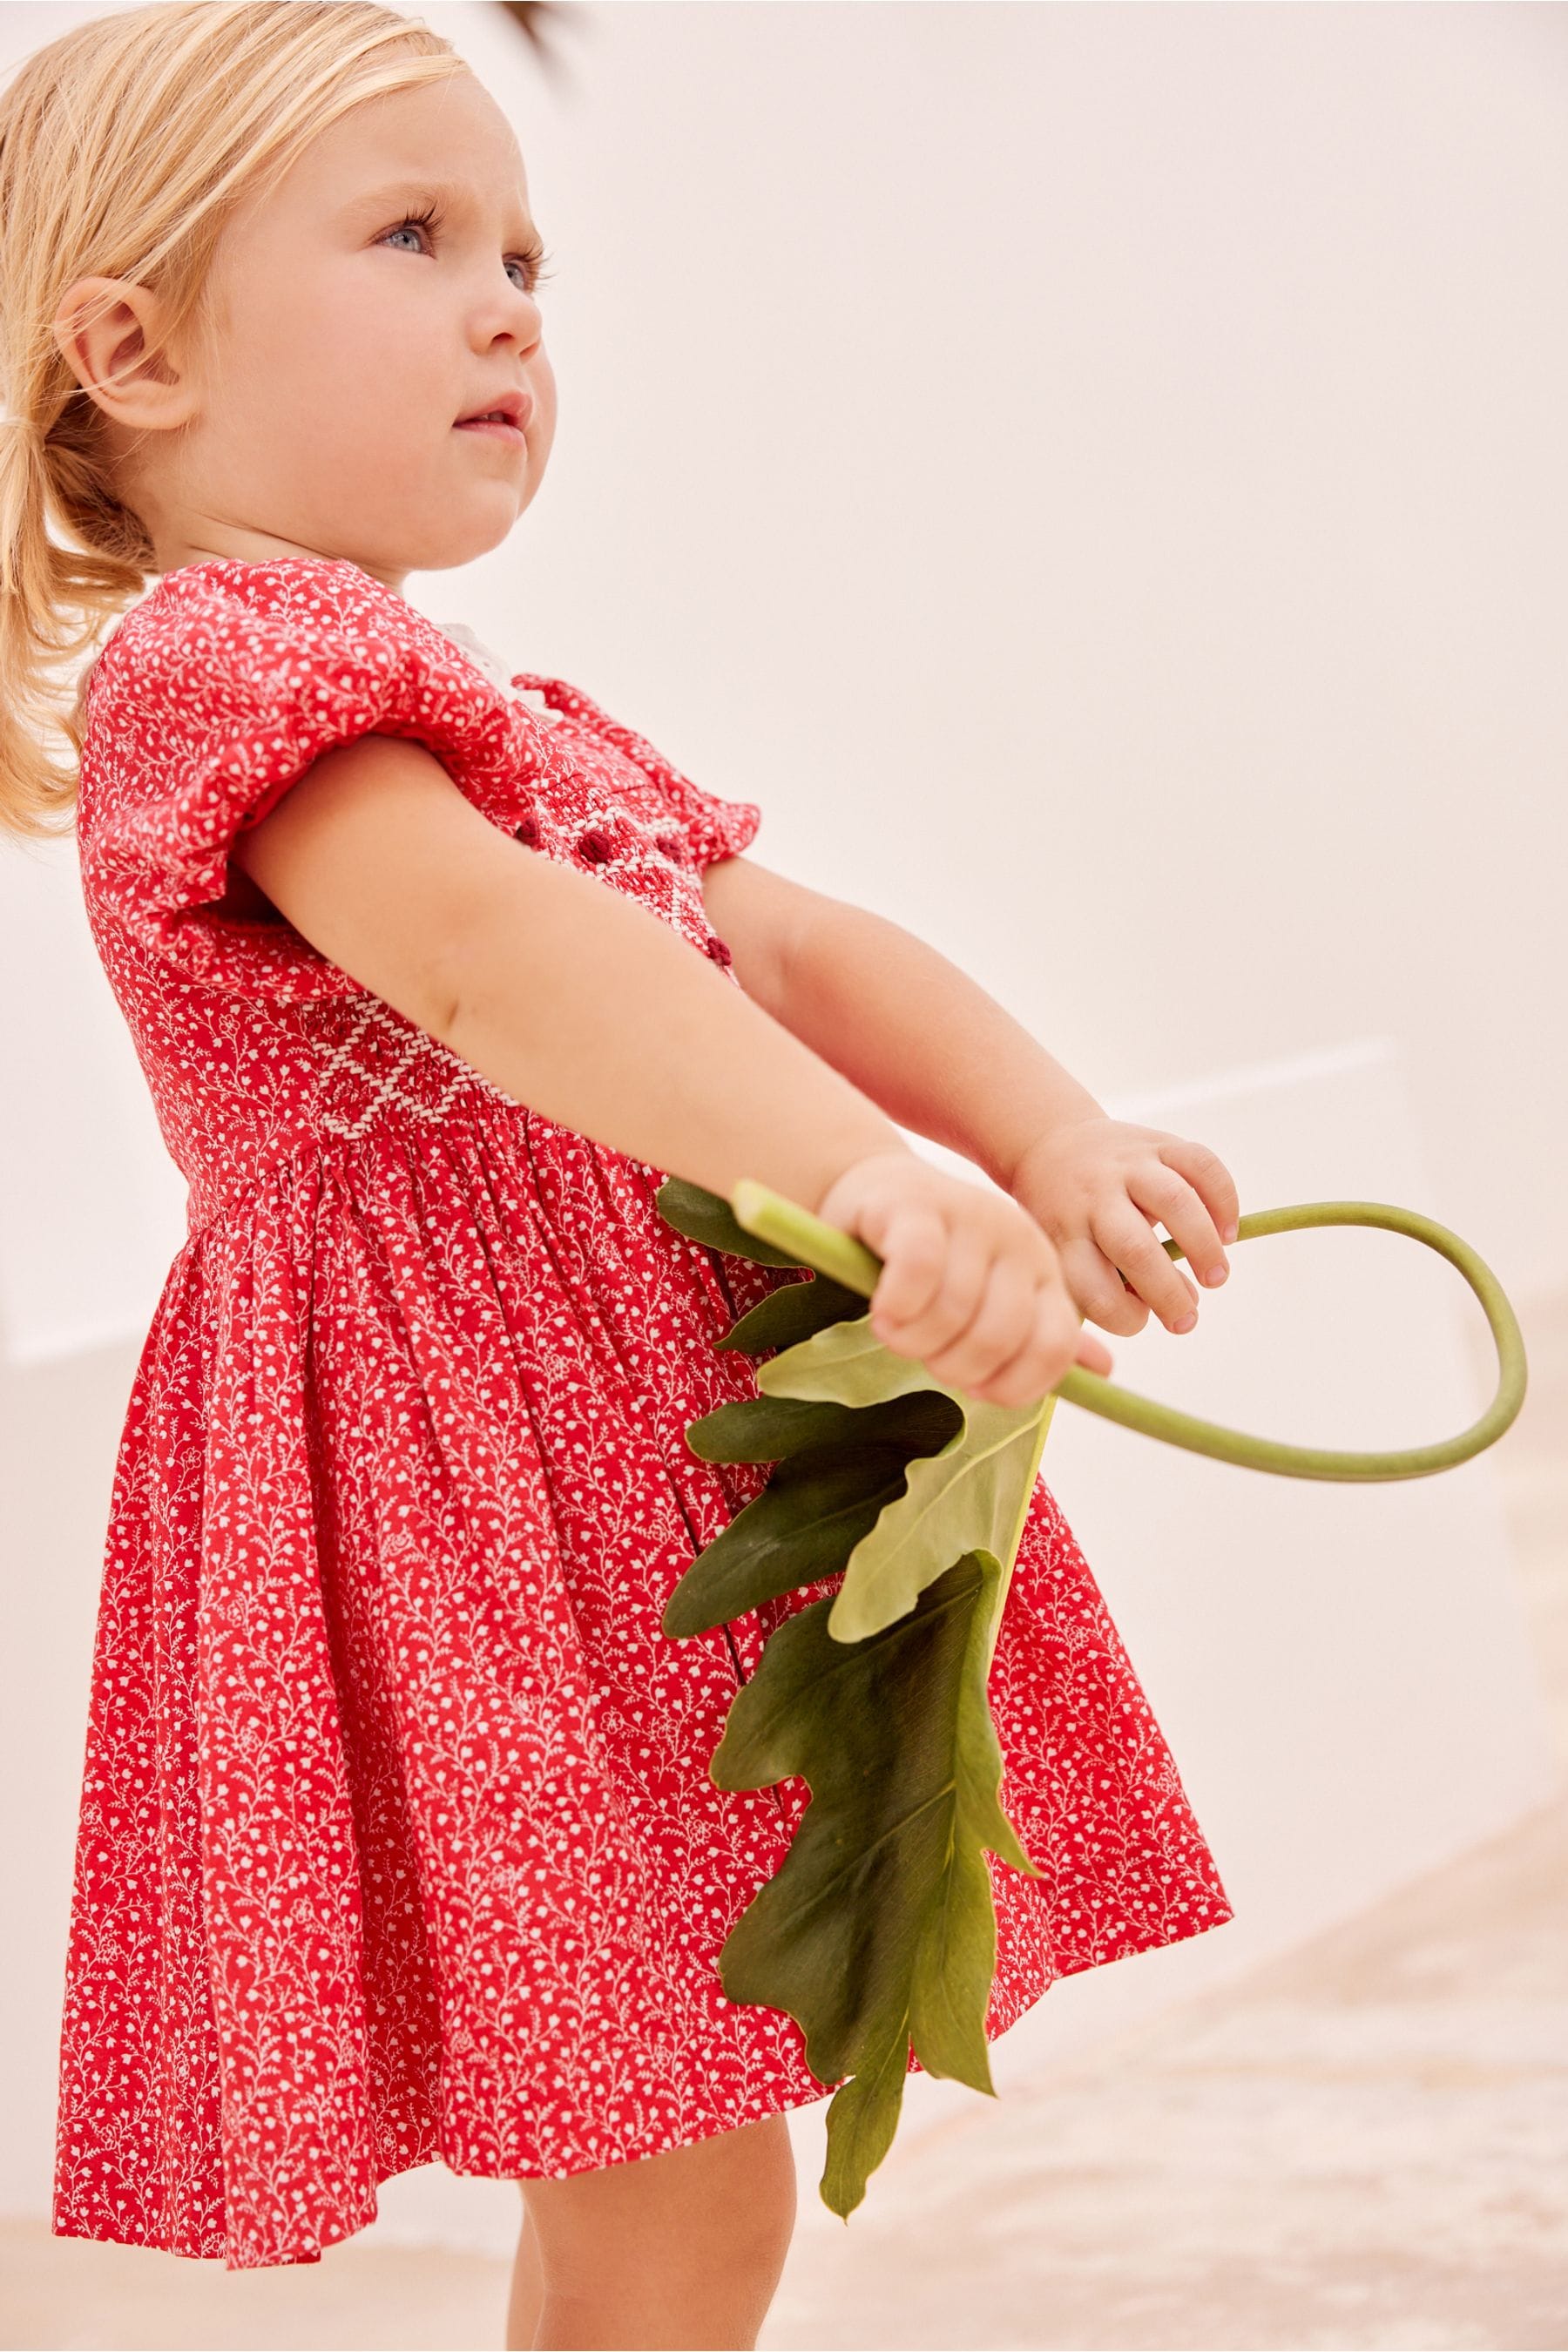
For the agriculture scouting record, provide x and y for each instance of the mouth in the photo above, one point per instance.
(505, 418)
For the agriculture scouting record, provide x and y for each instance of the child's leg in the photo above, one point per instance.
(527, 2287)
(681, 2250)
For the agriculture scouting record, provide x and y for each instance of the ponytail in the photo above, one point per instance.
(54, 601)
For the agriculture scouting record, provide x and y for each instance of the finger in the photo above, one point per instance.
(1029, 1374)
(1129, 1242)
(1000, 1326)
(1099, 1291)
(1161, 1192)
(1209, 1177)
(965, 1266)
(913, 1251)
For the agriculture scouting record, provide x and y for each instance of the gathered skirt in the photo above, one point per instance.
(397, 1839)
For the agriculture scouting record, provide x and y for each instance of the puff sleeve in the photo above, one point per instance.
(211, 699)
(712, 827)
(708, 826)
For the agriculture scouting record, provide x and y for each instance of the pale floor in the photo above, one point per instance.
(1363, 2145)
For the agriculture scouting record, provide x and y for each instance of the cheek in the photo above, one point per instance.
(293, 354)
(362, 346)
(542, 426)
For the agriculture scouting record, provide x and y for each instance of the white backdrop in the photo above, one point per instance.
(1096, 477)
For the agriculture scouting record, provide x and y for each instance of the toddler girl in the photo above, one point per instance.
(397, 1837)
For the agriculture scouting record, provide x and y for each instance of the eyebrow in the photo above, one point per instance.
(417, 189)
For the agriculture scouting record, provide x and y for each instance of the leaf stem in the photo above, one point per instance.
(817, 1243)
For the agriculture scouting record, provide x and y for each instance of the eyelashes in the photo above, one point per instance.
(534, 257)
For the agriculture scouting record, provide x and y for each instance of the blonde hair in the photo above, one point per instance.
(125, 146)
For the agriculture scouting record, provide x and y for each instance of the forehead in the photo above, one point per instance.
(446, 138)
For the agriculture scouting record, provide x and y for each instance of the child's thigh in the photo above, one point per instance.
(724, 2203)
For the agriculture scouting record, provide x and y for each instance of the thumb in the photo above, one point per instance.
(1093, 1354)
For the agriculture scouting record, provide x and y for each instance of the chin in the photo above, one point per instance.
(457, 539)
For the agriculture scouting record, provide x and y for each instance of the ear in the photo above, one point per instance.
(105, 328)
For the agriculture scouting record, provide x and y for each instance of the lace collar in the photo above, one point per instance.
(496, 670)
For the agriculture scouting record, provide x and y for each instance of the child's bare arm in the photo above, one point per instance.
(893, 1015)
(593, 1012)
(571, 998)
(942, 1057)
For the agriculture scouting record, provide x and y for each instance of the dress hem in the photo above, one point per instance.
(792, 2099)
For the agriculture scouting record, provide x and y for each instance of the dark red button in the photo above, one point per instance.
(596, 847)
(720, 952)
(528, 833)
(669, 842)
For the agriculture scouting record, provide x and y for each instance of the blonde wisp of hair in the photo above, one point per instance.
(125, 146)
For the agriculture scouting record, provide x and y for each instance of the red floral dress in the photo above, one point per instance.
(397, 1840)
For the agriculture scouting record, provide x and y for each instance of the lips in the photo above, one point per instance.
(508, 410)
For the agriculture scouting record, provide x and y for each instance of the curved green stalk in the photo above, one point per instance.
(808, 1238)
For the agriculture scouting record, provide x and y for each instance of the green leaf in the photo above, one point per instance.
(789, 1314)
(863, 2117)
(877, 1931)
(765, 1429)
(837, 1472)
(878, 1927)
(792, 1313)
(973, 1494)
(704, 1216)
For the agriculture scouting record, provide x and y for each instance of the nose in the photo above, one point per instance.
(515, 316)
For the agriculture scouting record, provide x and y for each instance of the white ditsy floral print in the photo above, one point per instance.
(397, 1840)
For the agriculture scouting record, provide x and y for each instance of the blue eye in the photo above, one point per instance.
(427, 220)
(531, 261)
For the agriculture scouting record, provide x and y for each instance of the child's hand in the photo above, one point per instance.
(1097, 1186)
(970, 1285)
